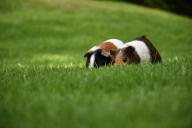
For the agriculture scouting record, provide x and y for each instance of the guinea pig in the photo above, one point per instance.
(140, 50)
(99, 55)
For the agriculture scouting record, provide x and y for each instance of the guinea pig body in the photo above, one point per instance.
(140, 50)
(100, 55)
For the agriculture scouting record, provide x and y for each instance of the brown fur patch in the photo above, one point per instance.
(119, 58)
(107, 46)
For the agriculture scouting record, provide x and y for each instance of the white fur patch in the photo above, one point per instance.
(116, 42)
(141, 49)
(92, 61)
(92, 58)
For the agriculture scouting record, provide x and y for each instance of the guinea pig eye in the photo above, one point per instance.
(125, 59)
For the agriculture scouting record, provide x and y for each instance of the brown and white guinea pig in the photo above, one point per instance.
(100, 55)
(140, 50)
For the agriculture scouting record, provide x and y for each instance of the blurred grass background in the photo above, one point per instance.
(182, 7)
(43, 81)
(10, 5)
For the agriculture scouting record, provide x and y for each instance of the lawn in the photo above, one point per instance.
(44, 82)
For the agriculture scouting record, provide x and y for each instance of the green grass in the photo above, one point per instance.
(43, 81)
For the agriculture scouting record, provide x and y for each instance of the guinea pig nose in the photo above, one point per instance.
(125, 59)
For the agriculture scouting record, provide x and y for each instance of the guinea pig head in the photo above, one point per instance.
(127, 55)
(97, 58)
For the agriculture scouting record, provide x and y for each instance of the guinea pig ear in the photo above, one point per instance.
(88, 53)
(128, 50)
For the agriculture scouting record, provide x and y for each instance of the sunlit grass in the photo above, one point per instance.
(53, 58)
